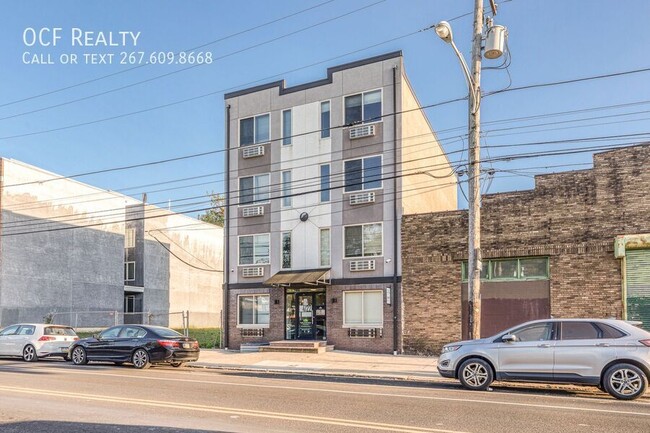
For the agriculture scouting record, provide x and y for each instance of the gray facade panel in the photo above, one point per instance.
(156, 277)
(362, 79)
(59, 271)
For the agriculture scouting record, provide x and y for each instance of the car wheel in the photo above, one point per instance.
(625, 381)
(475, 374)
(79, 356)
(176, 364)
(140, 359)
(29, 354)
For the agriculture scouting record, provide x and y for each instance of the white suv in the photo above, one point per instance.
(31, 341)
(611, 354)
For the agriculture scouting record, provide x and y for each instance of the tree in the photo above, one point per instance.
(216, 214)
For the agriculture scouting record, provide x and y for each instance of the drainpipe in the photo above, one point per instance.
(226, 235)
(624, 287)
(396, 253)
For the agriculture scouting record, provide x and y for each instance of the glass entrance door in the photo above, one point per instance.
(305, 316)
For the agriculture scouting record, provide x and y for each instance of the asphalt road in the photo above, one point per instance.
(53, 396)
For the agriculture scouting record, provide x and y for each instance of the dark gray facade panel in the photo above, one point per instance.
(330, 72)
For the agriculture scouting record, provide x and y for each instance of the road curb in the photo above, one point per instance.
(322, 373)
(592, 391)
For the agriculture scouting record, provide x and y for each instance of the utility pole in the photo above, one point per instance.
(474, 262)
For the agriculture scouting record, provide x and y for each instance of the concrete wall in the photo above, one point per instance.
(184, 267)
(421, 152)
(63, 249)
(45, 265)
(572, 218)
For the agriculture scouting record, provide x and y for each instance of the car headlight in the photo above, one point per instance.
(447, 349)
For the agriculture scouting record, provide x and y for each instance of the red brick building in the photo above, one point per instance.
(576, 245)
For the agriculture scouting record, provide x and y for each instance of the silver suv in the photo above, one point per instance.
(611, 354)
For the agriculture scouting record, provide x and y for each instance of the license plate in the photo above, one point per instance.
(186, 345)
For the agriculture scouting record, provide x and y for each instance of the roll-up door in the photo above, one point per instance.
(638, 286)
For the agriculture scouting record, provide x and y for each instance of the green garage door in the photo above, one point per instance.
(638, 286)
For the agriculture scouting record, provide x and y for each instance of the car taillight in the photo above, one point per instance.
(75, 338)
(46, 338)
(645, 342)
(169, 344)
(195, 345)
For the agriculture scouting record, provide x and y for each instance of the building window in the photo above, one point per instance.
(363, 240)
(363, 308)
(362, 174)
(129, 271)
(129, 238)
(254, 250)
(364, 107)
(253, 189)
(286, 127)
(325, 119)
(253, 310)
(325, 183)
(286, 250)
(325, 247)
(254, 130)
(286, 188)
(531, 268)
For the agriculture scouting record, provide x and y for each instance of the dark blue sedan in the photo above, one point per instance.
(139, 345)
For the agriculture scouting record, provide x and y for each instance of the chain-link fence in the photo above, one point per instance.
(104, 319)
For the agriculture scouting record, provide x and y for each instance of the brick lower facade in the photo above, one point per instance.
(572, 218)
(337, 333)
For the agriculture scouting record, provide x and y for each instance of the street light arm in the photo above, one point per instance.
(463, 64)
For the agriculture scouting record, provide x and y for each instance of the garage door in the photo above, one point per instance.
(638, 286)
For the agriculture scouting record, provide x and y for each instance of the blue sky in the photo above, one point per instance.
(550, 40)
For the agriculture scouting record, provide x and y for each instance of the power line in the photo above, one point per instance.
(272, 188)
(575, 80)
(403, 147)
(85, 98)
(175, 255)
(394, 176)
(404, 138)
(196, 155)
(334, 176)
(185, 51)
(182, 101)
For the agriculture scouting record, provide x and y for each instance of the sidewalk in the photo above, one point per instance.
(335, 363)
(340, 363)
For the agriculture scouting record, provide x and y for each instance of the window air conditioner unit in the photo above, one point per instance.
(252, 151)
(361, 198)
(252, 272)
(362, 265)
(362, 131)
(252, 211)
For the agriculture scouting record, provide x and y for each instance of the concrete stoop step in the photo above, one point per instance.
(297, 347)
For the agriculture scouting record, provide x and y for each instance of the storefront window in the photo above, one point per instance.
(253, 310)
(532, 268)
(363, 308)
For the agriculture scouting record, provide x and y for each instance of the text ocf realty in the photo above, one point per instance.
(77, 37)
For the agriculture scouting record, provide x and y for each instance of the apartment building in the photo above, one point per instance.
(319, 176)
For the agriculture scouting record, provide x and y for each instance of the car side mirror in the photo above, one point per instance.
(509, 338)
